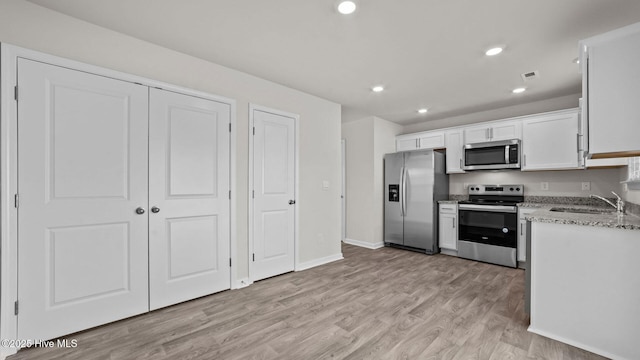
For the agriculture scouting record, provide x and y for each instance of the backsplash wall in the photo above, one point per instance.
(561, 183)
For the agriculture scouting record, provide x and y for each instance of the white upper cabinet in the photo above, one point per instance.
(422, 140)
(454, 141)
(551, 141)
(431, 140)
(611, 90)
(406, 143)
(494, 131)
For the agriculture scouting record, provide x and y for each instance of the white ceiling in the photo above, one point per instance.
(427, 53)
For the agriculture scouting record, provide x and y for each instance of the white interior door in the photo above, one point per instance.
(273, 194)
(82, 160)
(189, 227)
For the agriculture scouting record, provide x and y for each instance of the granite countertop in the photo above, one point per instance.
(447, 202)
(610, 219)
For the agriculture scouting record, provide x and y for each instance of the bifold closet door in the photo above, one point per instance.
(82, 173)
(188, 197)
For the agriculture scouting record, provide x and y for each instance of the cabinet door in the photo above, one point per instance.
(406, 144)
(475, 134)
(522, 240)
(454, 144)
(448, 231)
(431, 140)
(613, 92)
(506, 130)
(551, 142)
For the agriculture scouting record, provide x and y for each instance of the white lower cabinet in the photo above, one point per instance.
(522, 232)
(448, 226)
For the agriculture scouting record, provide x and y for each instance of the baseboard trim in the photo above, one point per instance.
(317, 262)
(575, 343)
(241, 283)
(364, 244)
(4, 353)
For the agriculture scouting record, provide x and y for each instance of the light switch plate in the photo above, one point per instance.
(325, 185)
(544, 186)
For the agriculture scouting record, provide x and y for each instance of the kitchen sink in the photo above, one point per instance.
(581, 210)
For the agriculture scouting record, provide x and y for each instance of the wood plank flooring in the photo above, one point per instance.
(374, 304)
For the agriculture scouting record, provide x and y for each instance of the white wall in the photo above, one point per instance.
(367, 140)
(358, 137)
(30, 26)
(561, 183)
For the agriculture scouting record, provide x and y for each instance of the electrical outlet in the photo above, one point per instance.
(544, 186)
(586, 186)
(466, 186)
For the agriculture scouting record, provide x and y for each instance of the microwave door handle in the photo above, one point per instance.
(506, 155)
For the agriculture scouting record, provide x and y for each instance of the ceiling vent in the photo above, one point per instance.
(531, 75)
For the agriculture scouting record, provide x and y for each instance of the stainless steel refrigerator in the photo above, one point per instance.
(414, 182)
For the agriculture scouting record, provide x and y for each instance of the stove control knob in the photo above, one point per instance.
(517, 189)
(510, 189)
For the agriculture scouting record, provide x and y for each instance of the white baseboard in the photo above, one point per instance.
(575, 343)
(241, 283)
(317, 262)
(364, 244)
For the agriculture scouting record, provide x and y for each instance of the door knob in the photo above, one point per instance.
(155, 209)
(140, 211)
(291, 202)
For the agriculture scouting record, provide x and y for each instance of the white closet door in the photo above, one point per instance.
(189, 188)
(82, 160)
(274, 194)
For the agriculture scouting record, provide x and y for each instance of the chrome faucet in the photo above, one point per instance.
(619, 205)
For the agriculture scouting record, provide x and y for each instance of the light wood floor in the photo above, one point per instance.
(375, 304)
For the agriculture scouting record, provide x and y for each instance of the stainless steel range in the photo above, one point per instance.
(488, 224)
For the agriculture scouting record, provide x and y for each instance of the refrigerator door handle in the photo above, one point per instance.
(404, 191)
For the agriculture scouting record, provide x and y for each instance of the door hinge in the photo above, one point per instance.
(15, 92)
(229, 194)
(254, 256)
(253, 194)
(229, 262)
(15, 308)
(254, 130)
(16, 200)
(229, 127)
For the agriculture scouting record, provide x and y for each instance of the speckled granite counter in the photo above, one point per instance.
(447, 202)
(610, 220)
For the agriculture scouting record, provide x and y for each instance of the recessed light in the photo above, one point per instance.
(518, 90)
(494, 51)
(377, 88)
(423, 111)
(346, 7)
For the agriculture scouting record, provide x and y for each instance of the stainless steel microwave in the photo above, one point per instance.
(492, 155)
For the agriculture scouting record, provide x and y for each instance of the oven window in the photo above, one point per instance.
(493, 228)
(484, 156)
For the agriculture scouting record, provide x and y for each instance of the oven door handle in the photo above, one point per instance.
(490, 208)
